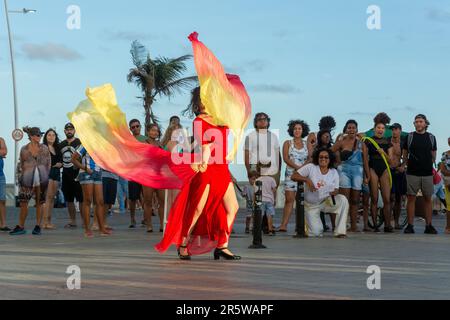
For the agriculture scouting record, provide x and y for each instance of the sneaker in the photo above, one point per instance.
(409, 229)
(247, 230)
(5, 229)
(18, 231)
(430, 230)
(37, 231)
(388, 229)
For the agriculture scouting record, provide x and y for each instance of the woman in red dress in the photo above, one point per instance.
(203, 214)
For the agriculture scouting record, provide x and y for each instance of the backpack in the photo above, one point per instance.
(410, 141)
(411, 137)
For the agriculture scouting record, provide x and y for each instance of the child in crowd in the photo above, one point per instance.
(269, 192)
(248, 193)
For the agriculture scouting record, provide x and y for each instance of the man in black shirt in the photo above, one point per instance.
(70, 187)
(419, 151)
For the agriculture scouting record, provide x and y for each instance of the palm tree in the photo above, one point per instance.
(157, 77)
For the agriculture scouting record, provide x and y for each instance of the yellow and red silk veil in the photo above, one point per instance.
(103, 129)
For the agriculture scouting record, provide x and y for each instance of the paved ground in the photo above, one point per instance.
(125, 266)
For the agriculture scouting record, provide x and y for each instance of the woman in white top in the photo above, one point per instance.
(322, 193)
(295, 155)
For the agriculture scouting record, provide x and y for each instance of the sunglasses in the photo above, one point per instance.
(135, 127)
(324, 158)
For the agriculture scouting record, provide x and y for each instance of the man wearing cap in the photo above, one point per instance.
(70, 187)
(134, 188)
(419, 154)
(398, 174)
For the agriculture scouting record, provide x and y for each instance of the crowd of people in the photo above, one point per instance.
(357, 170)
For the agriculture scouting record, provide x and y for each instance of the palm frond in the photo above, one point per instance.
(139, 53)
(177, 86)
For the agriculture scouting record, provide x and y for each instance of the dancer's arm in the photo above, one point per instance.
(366, 164)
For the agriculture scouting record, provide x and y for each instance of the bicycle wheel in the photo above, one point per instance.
(403, 220)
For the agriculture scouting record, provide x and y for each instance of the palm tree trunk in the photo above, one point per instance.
(148, 101)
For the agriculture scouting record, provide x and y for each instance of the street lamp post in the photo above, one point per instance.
(13, 70)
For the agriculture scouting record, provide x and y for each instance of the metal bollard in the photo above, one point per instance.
(300, 212)
(257, 219)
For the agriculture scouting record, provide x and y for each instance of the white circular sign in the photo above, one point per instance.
(17, 135)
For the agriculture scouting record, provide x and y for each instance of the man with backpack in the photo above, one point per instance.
(419, 154)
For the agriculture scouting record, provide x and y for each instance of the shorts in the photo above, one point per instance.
(134, 191)
(71, 189)
(290, 185)
(438, 191)
(447, 197)
(2, 188)
(27, 193)
(398, 183)
(268, 208)
(109, 190)
(351, 177)
(416, 183)
(94, 178)
(55, 174)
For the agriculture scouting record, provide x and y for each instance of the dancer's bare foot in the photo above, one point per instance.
(49, 227)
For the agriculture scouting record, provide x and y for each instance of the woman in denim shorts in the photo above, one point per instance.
(90, 178)
(51, 140)
(351, 173)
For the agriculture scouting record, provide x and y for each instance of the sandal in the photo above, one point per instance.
(70, 226)
(183, 257)
(106, 233)
(88, 234)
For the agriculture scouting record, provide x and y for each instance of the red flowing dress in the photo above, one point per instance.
(212, 229)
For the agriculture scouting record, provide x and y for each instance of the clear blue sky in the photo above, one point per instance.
(299, 59)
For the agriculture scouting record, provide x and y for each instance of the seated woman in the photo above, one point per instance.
(322, 193)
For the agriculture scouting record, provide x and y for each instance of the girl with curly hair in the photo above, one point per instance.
(295, 155)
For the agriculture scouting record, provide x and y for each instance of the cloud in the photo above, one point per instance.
(268, 88)
(360, 113)
(281, 34)
(386, 98)
(50, 52)
(128, 36)
(439, 15)
(406, 109)
(16, 37)
(400, 38)
(40, 114)
(251, 66)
